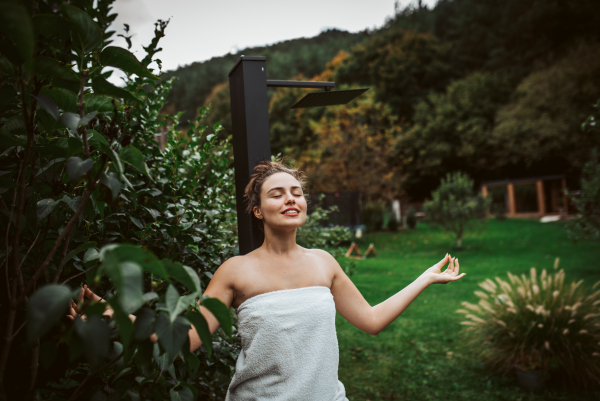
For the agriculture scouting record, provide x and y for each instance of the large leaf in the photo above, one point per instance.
(101, 103)
(46, 66)
(87, 35)
(48, 104)
(66, 100)
(175, 303)
(73, 203)
(185, 394)
(202, 328)
(96, 139)
(135, 158)
(102, 87)
(95, 335)
(220, 311)
(74, 252)
(124, 324)
(46, 307)
(16, 24)
(111, 181)
(15, 126)
(118, 57)
(171, 335)
(50, 25)
(144, 324)
(138, 255)
(77, 167)
(114, 157)
(45, 207)
(185, 275)
(70, 120)
(127, 278)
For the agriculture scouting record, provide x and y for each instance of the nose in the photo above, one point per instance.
(290, 199)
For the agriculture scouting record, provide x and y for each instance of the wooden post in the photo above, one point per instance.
(565, 200)
(540, 197)
(511, 199)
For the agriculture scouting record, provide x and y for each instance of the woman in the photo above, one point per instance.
(286, 298)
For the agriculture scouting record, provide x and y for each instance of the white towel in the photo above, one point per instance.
(289, 348)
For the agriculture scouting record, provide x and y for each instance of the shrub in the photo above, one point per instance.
(411, 218)
(455, 207)
(537, 323)
(315, 235)
(88, 197)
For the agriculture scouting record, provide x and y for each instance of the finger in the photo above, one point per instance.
(442, 262)
(71, 317)
(457, 267)
(451, 266)
(90, 295)
(459, 277)
(75, 308)
(72, 311)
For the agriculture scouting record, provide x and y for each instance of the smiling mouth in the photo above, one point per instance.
(292, 212)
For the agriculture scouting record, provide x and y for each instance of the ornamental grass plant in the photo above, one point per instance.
(538, 322)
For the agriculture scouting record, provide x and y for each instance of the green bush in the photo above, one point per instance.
(455, 207)
(88, 197)
(315, 235)
(538, 324)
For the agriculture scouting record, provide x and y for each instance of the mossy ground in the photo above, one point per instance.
(422, 354)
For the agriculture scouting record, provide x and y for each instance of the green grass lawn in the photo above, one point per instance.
(421, 355)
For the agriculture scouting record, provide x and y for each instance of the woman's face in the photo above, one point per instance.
(282, 202)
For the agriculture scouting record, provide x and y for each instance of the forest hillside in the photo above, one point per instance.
(496, 89)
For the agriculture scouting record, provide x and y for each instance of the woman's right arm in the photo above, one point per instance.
(220, 287)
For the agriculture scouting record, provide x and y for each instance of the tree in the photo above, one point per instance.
(351, 151)
(402, 65)
(453, 131)
(454, 207)
(81, 203)
(539, 130)
(586, 225)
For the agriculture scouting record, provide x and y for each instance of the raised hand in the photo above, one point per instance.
(75, 308)
(436, 275)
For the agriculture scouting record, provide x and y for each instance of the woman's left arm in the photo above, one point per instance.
(350, 303)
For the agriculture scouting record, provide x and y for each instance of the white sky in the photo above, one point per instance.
(202, 29)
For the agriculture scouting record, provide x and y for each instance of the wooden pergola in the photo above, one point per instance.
(519, 200)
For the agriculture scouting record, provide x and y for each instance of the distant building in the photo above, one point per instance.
(528, 197)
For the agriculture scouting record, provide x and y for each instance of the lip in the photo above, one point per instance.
(291, 208)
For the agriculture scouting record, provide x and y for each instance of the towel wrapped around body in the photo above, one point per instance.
(289, 348)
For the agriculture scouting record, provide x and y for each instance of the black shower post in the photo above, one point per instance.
(251, 141)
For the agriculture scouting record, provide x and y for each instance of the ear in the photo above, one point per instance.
(257, 213)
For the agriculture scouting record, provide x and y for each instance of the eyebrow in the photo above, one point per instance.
(281, 189)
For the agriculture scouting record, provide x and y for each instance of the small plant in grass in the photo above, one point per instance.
(455, 207)
(538, 323)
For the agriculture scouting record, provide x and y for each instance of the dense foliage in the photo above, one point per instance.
(89, 196)
(454, 207)
(538, 323)
(586, 224)
(306, 56)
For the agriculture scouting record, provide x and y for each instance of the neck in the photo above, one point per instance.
(279, 242)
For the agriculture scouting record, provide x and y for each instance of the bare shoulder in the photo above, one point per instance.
(324, 257)
(232, 267)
